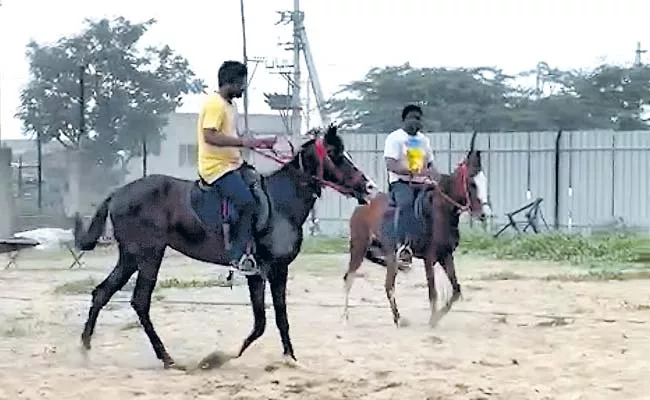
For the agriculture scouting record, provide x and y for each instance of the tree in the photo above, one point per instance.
(453, 99)
(486, 99)
(128, 90)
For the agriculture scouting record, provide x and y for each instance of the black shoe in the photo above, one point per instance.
(246, 265)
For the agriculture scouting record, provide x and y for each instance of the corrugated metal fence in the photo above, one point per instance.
(586, 179)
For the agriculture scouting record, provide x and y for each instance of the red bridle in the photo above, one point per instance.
(462, 173)
(323, 158)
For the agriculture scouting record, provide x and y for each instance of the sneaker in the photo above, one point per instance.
(246, 265)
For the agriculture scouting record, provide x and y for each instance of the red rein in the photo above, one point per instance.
(321, 154)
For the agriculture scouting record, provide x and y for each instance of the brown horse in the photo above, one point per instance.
(435, 227)
(159, 211)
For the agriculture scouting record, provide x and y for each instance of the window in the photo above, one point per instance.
(187, 155)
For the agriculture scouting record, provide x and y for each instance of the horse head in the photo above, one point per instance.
(324, 156)
(470, 184)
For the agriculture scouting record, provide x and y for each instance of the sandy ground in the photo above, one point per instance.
(500, 342)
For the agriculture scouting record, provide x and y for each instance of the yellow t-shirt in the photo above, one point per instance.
(214, 162)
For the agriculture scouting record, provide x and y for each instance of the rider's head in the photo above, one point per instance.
(232, 79)
(412, 119)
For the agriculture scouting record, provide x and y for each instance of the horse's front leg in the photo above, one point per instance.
(450, 269)
(256, 286)
(278, 281)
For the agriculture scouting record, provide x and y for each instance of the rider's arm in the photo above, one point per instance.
(392, 154)
(214, 118)
(431, 165)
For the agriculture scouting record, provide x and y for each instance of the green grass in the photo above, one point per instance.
(86, 285)
(324, 245)
(602, 249)
(616, 248)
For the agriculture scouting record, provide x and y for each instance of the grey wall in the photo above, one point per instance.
(603, 175)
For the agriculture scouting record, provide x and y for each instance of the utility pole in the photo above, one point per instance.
(245, 56)
(297, 19)
(1, 94)
(637, 57)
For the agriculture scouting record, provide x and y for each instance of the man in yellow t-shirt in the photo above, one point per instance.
(220, 160)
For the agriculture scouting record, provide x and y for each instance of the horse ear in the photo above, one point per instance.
(332, 130)
(472, 142)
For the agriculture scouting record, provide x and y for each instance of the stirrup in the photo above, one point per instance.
(246, 265)
(404, 255)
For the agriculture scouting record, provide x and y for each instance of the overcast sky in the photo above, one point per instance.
(347, 36)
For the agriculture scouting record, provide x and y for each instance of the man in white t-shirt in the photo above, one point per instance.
(409, 158)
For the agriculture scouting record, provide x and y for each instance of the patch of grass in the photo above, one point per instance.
(80, 286)
(325, 245)
(170, 283)
(600, 249)
(590, 276)
(86, 285)
(615, 248)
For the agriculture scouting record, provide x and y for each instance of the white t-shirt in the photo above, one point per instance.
(396, 145)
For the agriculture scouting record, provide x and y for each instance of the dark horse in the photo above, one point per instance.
(158, 211)
(437, 211)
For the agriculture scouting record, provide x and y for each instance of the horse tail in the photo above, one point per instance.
(87, 241)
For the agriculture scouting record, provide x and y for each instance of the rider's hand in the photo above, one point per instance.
(253, 143)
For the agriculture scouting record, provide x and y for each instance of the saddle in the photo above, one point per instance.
(217, 212)
(418, 205)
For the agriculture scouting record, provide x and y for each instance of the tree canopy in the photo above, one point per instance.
(488, 100)
(128, 90)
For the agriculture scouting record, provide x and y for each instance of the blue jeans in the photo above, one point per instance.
(232, 187)
(403, 196)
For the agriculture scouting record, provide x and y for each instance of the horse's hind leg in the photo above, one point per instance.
(101, 295)
(450, 269)
(391, 275)
(149, 261)
(358, 247)
(429, 263)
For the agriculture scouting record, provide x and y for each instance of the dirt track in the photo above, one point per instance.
(474, 353)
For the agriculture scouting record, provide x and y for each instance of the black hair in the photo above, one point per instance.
(231, 71)
(410, 108)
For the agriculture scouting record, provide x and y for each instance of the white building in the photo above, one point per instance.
(178, 150)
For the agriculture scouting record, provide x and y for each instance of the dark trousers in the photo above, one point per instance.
(403, 196)
(233, 187)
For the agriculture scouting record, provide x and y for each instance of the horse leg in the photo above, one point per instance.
(149, 264)
(256, 287)
(278, 281)
(358, 247)
(391, 274)
(102, 294)
(429, 264)
(450, 269)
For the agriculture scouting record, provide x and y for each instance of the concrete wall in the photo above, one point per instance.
(178, 151)
(7, 216)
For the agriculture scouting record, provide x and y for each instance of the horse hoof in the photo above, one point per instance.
(85, 343)
(177, 367)
(403, 322)
(435, 318)
(290, 361)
